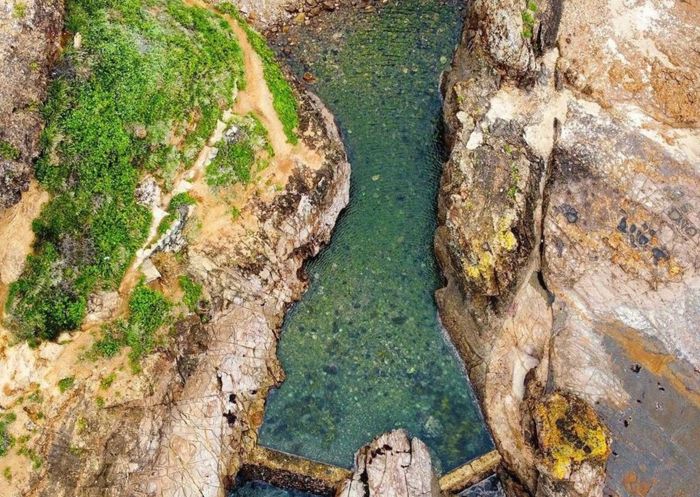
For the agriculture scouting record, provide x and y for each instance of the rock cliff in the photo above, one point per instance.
(568, 213)
(29, 42)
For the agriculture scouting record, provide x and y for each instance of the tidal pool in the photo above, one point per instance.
(363, 350)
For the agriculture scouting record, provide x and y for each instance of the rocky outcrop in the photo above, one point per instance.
(393, 464)
(29, 37)
(188, 427)
(568, 213)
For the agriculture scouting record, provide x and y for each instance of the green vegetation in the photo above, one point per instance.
(7, 441)
(7, 473)
(284, 101)
(528, 17)
(514, 181)
(142, 93)
(235, 213)
(8, 151)
(179, 200)
(107, 381)
(65, 384)
(35, 458)
(100, 401)
(238, 156)
(149, 310)
(193, 292)
(19, 10)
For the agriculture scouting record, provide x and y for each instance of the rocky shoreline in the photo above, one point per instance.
(567, 232)
(205, 394)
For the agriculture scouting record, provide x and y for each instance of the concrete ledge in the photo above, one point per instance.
(470, 473)
(293, 472)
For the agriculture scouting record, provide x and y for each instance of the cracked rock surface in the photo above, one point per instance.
(187, 428)
(568, 216)
(393, 464)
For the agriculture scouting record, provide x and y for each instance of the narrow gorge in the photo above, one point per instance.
(359, 248)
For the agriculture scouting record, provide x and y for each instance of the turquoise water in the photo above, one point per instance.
(363, 350)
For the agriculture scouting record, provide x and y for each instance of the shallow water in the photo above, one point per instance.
(363, 350)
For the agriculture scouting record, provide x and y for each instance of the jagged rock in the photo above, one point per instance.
(568, 232)
(29, 35)
(184, 425)
(148, 192)
(392, 465)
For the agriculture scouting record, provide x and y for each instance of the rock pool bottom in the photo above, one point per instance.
(363, 350)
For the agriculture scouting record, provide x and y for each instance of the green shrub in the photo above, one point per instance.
(283, 98)
(528, 18)
(193, 292)
(149, 310)
(7, 441)
(8, 151)
(236, 160)
(65, 384)
(146, 69)
(176, 202)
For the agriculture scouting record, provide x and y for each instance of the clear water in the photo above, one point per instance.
(363, 351)
(260, 489)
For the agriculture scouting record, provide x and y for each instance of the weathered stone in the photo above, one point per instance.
(29, 37)
(392, 465)
(601, 136)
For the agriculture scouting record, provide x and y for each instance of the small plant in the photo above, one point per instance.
(65, 384)
(7, 473)
(107, 381)
(235, 213)
(528, 17)
(100, 401)
(36, 460)
(8, 151)
(7, 441)
(193, 292)
(179, 200)
(514, 180)
(19, 10)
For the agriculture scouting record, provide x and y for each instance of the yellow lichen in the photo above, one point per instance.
(569, 432)
(483, 268)
(505, 238)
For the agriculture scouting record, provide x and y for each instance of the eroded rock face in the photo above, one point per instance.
(568, 234)
(187, 429)
(29, 37)
(393, 464)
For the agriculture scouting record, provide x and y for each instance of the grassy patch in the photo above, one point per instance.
(65, 384)
(193, 292)
(8, 151)
(284, 101)
(7, 441)
(179, 200)
(142, 93)
(240, 155)
(149, 310)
